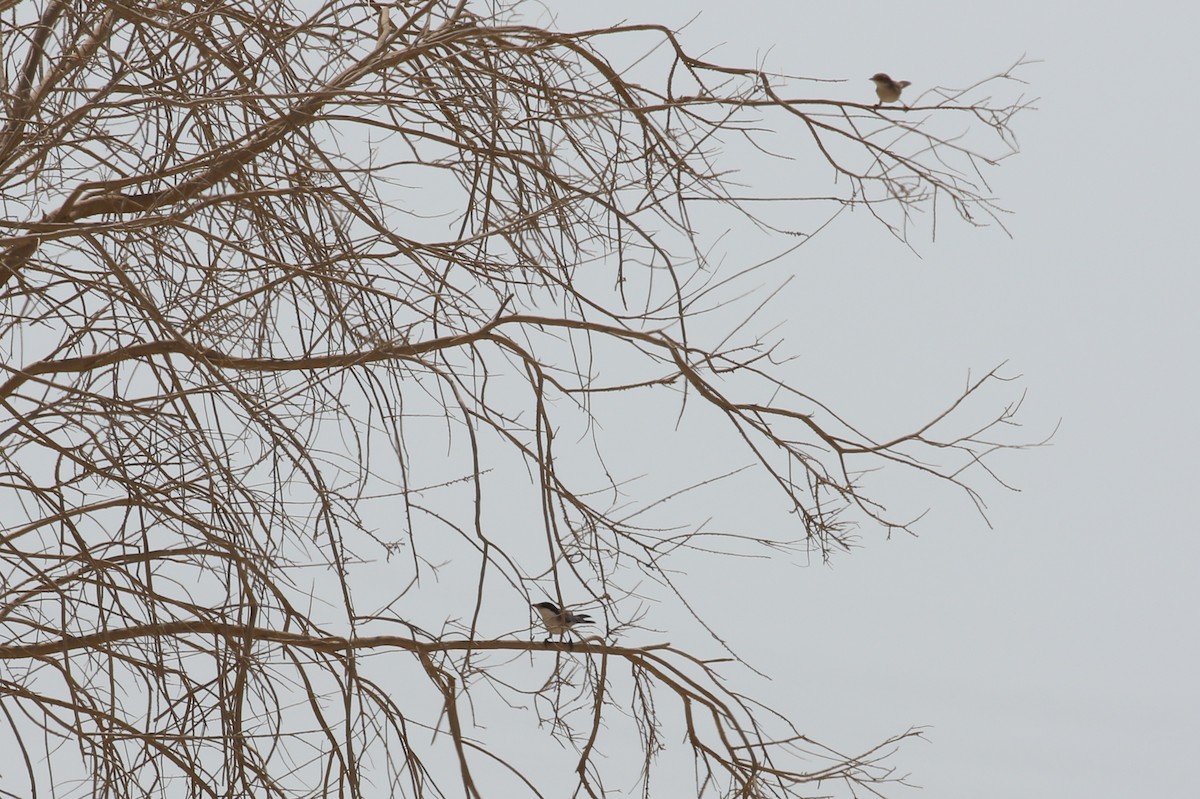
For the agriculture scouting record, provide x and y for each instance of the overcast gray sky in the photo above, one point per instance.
(1055, 655)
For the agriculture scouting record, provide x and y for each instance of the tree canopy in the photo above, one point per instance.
(334, 336)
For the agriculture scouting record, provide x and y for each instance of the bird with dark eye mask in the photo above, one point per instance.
(560, 622)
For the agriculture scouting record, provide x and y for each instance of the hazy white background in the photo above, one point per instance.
(1056, 655)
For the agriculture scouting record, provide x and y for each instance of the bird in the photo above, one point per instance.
(560, 621)
(888, 89)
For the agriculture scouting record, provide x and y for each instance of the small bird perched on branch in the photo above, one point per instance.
(560, 621)
(888, 89)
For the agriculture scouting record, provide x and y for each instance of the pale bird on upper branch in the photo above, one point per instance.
(888, 89)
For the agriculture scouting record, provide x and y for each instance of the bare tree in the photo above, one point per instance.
(322, 325)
